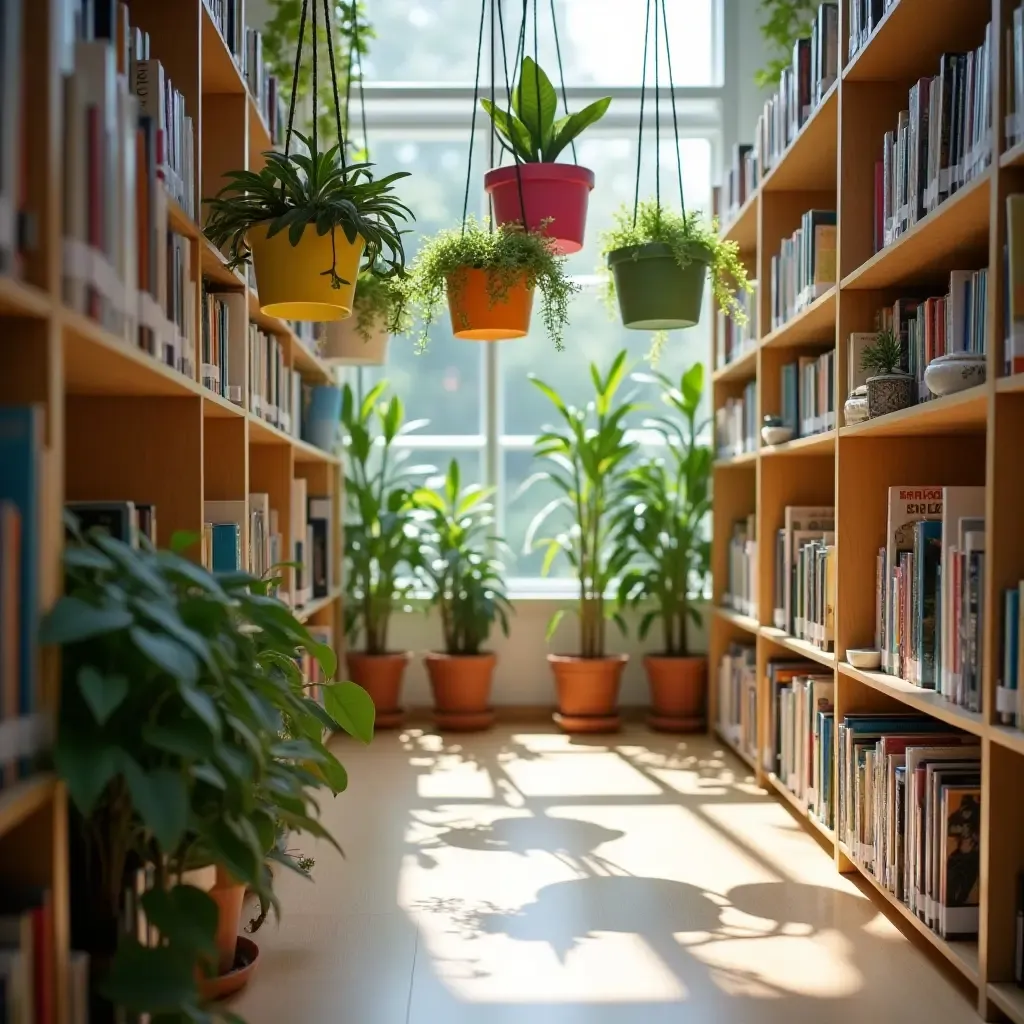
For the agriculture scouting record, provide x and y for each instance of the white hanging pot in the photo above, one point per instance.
(346, 343)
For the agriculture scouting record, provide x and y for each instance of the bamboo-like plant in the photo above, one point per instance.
(382, 537)
(586, 459)
(466, 582)
(664, 521)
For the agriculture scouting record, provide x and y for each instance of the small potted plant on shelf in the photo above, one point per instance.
(489, 278)
(307, 221)
(656, 263)
(380, 311)
(552, 197)
(176, 687)
(664, 526)
(586, 462)
(382, 543)
(467, 587)
(890, 388)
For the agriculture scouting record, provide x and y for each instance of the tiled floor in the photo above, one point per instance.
(523, 876)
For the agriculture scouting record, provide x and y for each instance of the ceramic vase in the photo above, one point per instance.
(889, 392)
(954, 372)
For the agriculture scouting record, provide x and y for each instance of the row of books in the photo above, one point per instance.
(275, 390)
(228, 16)
(1013, 262)
(801, 728)
(1014, 71)
(741, 178)
(929, 590)
(1009, 690)
(940, 143)
(264, 87)
(312, 671)
(805, 575)
(737, 697)
(736, 428)
(733, 339)
(864, 16)
(909, 812)
(17, 224)
(741, 582)
(805, 267)
(126, 134)
(802, 87)
(809, 394)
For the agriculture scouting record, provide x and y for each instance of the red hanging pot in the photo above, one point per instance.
(557, 194)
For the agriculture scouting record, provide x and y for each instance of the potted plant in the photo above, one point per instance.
(382, 543)
(176, 686)
(664, 526)
(467, 587)
(489, 278)
(890, 388)
(656, 264)
(586, 461)
(309, 275)
(380, 311)
(552, 197)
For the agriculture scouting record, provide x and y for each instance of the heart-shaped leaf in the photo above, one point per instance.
(104, 694)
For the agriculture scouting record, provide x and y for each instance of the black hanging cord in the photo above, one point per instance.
(316, 89)
(675, 119)
(536, 77)
(295, 80)
(334, 78)
(640, 130)
(476, 100)
(520, 50)
(561, 75)
(657, 121)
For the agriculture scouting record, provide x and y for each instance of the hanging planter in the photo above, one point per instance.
(654, 292)
(489, 279)
(545, 196)
(307, 219)
(379, 311)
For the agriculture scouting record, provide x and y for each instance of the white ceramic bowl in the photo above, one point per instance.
(866, 658)
(776, 435)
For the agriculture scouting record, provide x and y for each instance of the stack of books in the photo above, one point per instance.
(1013, 269)
(736, 424)
(805, 267)
(18, 224)
(1014, 71)
(739, 183)
(733, 339)
(275, 390)
(741, 585)
(264, 87)
(808, 394)
(805, 574)
(225, 324)
(864, 18)
(737, 697)
(228, 17)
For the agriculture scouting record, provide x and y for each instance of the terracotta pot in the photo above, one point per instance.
(462, 689)
(588, 691)
(678, 692)
(475, 317)
(229, 896)
(381, 676)
(345, 345)
(244, 961)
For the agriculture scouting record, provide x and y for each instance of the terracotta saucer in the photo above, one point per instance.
(247, 956)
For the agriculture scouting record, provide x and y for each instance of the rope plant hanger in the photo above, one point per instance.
(264, 216)
(536, 191)
(658, 259)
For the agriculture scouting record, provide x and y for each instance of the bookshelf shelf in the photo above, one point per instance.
(1010, 385)
(217, 407)
(180, 222)
(798, 808)
(742, 229)
(741, 368)
(813, 444)
(954, 233)
(24, 799)
(809, 162)
(1009, 998)
(1007, 736)
(22, 300)
(736, 749)
(963, 413)
(742, 621)
(743, 459)
(259, 134)
(307, 612)
(810, 326)
(220, 74)
(928, 701)
(801, 647)
(215, 269)
(1013, 157)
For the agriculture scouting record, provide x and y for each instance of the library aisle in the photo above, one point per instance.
(529, 876)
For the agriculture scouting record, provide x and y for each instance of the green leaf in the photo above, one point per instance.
(151, 980)
(182, 540)
(534, 100)
(352, 708)
(693, 388)
(185, 916)
(161, 801)
(553, 624)
(86, 763)
(185, 738)
(203, 706)
(73, 620)
(166, 654)
(513, 130)
(103, 694)
(568, 128)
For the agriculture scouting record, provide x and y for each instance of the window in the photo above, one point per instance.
(477, 399)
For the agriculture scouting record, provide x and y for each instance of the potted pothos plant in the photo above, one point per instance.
(585, 459)
(380, 311)
(663, 524)
(382, 542)
(489, 279)
(466, 585)
(185, 739)
(552, 197)
(307, 221)
(655, 265)
(890, 387)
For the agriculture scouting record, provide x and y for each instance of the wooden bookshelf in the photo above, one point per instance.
(974, 437)
(119, 423)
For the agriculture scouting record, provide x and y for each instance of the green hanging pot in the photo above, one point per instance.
(654, 292)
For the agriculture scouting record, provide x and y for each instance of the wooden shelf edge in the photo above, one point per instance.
(832, 96)
(24, 798)
(802, 812)
(1009, 998)
(813, 444)
(929, 417)
(19, 298)
(735, 749)
(728, 232)
(743, 366)
(743, 459)
(778, 335)
(926, 701)
(751, 625)
(306, 612)
(797, 646)
(1010, 385)
(1007, 736)
(1013, 156)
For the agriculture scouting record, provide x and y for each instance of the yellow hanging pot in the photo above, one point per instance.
(294, 281)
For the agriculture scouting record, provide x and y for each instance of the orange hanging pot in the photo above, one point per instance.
(484, 307)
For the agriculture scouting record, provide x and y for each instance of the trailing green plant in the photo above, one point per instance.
(664, 521)
(465, 581)
(185, 737)
(382, 531)
(586, 462)
(530, 131)
(509, 254)
(785, 21)
(281, 40)
(689, 237)
(381, 301)
(312, 189)
(885, 355)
